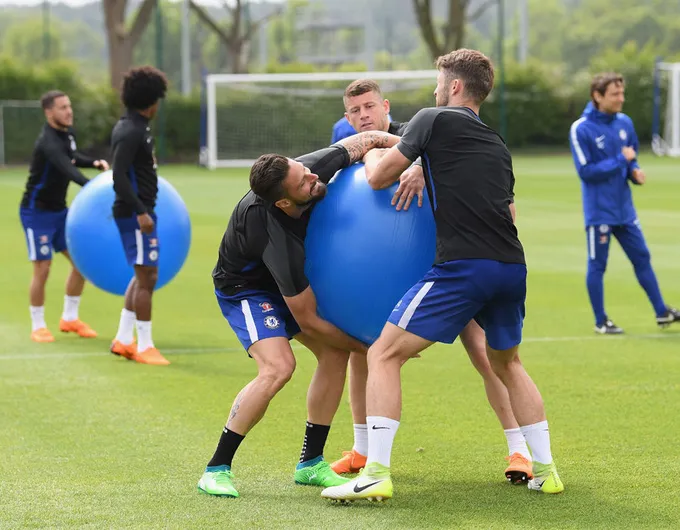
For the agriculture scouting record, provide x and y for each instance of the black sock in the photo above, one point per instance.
(315, 440)
(227, 446)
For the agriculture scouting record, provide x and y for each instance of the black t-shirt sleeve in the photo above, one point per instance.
(326, 162)
(282, 253)
(124, 151)
(397, 128)
(53, 149)
(417, 134)
(83, 160)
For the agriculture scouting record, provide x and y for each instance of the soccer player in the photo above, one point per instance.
(265, 296)
(367, 110)
(135, 182)
(605, 146)
(43, 213)
(479, 272)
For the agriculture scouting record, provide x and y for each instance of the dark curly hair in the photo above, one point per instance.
(142, 87)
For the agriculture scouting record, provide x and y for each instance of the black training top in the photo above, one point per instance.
(134, 166)
(470, 182)
(263, 248)
(53, 166)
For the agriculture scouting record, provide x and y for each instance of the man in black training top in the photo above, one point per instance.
(135, 182)
(479, 272)
(43, 212)
(265, 296)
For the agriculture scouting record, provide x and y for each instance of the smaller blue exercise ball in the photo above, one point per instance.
(362, 255)
(94, 242)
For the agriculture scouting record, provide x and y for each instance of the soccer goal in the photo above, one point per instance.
(20, 124)
(666, 121)
(248, 115)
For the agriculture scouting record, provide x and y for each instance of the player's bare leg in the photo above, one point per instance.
(353, 461)
(527, 405)
(124, 343)
(146, 278)
(275, 366)
(518, 470)
(383, 407)
(323, 400)
(75, 283)
(39, 331)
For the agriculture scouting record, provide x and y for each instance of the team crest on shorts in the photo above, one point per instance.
(271, 322)
(604, 229)
(44, 250)
(266, 307)
(153, 255)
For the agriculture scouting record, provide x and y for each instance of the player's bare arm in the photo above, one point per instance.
(358, 145)
(304, 310)
(384, 171)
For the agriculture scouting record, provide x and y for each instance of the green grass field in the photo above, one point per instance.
(89, 440)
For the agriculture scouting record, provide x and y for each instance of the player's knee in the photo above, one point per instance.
(41, 270)
(502, 361)
(278, 373)
(642, 259)
(480, 361)
(379, 354)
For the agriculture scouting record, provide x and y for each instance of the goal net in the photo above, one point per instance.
(666, 122)
(20, 124)
(292, 114)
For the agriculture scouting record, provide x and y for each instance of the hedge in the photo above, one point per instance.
(540, 108)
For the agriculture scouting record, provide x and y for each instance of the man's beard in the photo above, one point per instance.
(313, 200)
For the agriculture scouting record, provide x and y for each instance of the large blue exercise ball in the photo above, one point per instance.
(362, 255)
(94, 242)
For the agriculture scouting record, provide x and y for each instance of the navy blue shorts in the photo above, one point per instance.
(451, 294)
(257, 315)
(45, 232)
(140, 248)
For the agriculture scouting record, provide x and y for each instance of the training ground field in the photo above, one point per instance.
(91, 440)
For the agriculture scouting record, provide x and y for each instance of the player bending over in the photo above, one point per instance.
(265, 296)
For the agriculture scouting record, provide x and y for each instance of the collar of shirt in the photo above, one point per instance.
(136, 116)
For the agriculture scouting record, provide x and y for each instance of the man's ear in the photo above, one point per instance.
(283, 203)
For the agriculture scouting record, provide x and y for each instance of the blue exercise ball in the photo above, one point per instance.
(94, 242)
(362, 255)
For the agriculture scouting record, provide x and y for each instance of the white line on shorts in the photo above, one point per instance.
(186, 351)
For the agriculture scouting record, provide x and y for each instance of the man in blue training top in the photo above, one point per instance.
(604, 146)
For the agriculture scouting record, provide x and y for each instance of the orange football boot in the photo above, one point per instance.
(129, 351)
(77, 326)
(151, 356)
(42, 335)
(351, 462)
(519, 470)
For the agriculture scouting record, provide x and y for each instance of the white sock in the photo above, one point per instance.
(126, 327)
(360, 439)
(381, 433)
(71, 304)
(38, 317)
(517, 443)
(538, 438)
(144, 340)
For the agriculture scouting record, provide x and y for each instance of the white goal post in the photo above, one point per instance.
(252, 114)
(666, 136)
